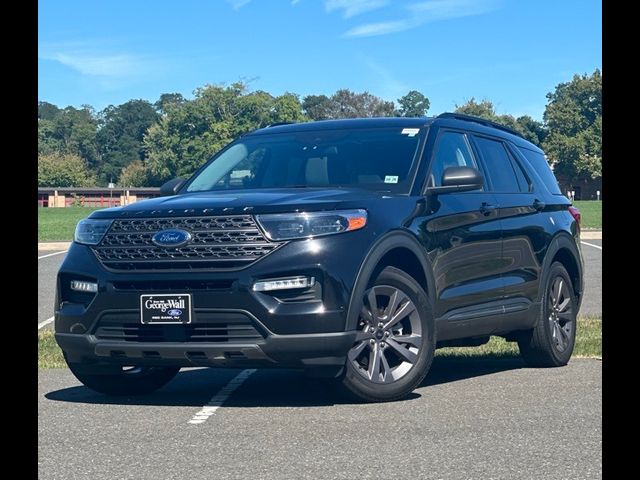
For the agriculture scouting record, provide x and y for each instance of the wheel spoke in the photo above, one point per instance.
(414, 340)
(564, 304)
(557, 336)
(564, 337)
(566, 316)
(406, 354)
(367, 315)
(386, 375)
(557, 285)
(373, 302)
(394, 301)
(374, 363)
(406, 309)
(356, 351)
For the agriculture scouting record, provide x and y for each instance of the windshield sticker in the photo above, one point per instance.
(391, 179)
(411, 132)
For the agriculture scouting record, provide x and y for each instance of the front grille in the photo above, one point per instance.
(217, 242)
(231, 328)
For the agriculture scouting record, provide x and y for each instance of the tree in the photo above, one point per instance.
(134, 175)
(63, 170)
(574, 120)
(346, 104)
(168, 100)
(120, 136)
(68, 131)
(413, 104)
(317, 107)
(529, 128)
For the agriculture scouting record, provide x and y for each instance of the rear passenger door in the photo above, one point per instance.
(520, 210)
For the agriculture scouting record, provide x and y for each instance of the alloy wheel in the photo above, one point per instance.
(561, 318)
(389, 335)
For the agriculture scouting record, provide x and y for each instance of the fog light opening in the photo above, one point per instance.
(83, 286)
(287, 283)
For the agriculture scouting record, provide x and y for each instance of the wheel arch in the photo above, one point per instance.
(398, 249)
(563, 249)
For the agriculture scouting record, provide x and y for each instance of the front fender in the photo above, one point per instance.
(386, 243)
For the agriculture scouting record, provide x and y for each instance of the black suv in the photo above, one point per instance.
(348, 248)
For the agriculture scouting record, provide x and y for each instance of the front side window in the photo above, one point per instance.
(381, 159)
(452, 150)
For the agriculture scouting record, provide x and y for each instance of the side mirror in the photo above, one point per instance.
(172, 186)
(458, 179)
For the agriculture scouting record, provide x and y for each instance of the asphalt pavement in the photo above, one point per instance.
(471, 419)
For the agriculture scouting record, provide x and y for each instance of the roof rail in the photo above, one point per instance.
(277, 124)
(482, 121)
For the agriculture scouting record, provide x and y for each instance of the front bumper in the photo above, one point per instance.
(292, 334)
(294, 351)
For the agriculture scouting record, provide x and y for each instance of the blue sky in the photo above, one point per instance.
(511, 52)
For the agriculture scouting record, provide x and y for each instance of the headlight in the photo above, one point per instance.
(90, 231)
(287, 226)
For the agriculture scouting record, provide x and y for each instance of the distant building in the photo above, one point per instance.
(93, 197)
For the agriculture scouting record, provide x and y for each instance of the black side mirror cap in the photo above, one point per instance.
(172, 186)
(458, 179)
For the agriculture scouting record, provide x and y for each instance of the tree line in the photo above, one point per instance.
(140, 143)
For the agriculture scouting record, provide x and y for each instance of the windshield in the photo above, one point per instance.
(380, 159)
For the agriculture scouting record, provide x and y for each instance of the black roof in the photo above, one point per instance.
(375, 122)
(452, 120)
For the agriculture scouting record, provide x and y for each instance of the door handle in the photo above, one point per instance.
(487, 209)
(538, 205)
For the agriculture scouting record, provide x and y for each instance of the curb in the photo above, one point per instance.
(591, 235)
(54, 245)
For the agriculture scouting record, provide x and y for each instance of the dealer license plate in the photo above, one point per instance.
(165, 308)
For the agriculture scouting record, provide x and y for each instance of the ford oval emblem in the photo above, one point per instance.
(171, 238)
(175, 312)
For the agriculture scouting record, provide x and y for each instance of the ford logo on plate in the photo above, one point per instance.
(171, 238)
(175, 312)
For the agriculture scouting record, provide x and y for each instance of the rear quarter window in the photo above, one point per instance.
(542, 168)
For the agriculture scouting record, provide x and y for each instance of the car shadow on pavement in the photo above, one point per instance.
(277, 388)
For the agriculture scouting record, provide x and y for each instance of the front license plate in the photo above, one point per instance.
(167, 308)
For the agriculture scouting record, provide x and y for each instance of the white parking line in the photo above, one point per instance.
(45, 323)
(216, 402)
(591, 245)
(52, 254)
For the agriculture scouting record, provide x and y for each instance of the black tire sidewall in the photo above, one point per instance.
(371, 391)
(557, 270)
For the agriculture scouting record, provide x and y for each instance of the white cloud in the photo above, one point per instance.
(379, 28)
(120, 65)
(425, 12)
(388, 85)
(293, 2)
(237, 4)
(351, 8)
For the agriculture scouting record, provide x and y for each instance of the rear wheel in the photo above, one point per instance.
(396, 339)
(550, 343)
(123, 380)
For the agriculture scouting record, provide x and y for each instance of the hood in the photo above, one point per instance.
(230, 202)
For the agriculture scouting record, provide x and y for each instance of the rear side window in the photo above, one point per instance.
(499, 166)
(541, 167)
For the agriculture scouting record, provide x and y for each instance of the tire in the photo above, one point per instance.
(396, 340)
(550, 343)
(124, 381)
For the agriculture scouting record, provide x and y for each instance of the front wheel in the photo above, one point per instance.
(124, 380)
(550, 343)
(395, 343)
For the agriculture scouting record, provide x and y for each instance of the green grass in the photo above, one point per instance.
(588, 345)
(591, 211)
(58, 224)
